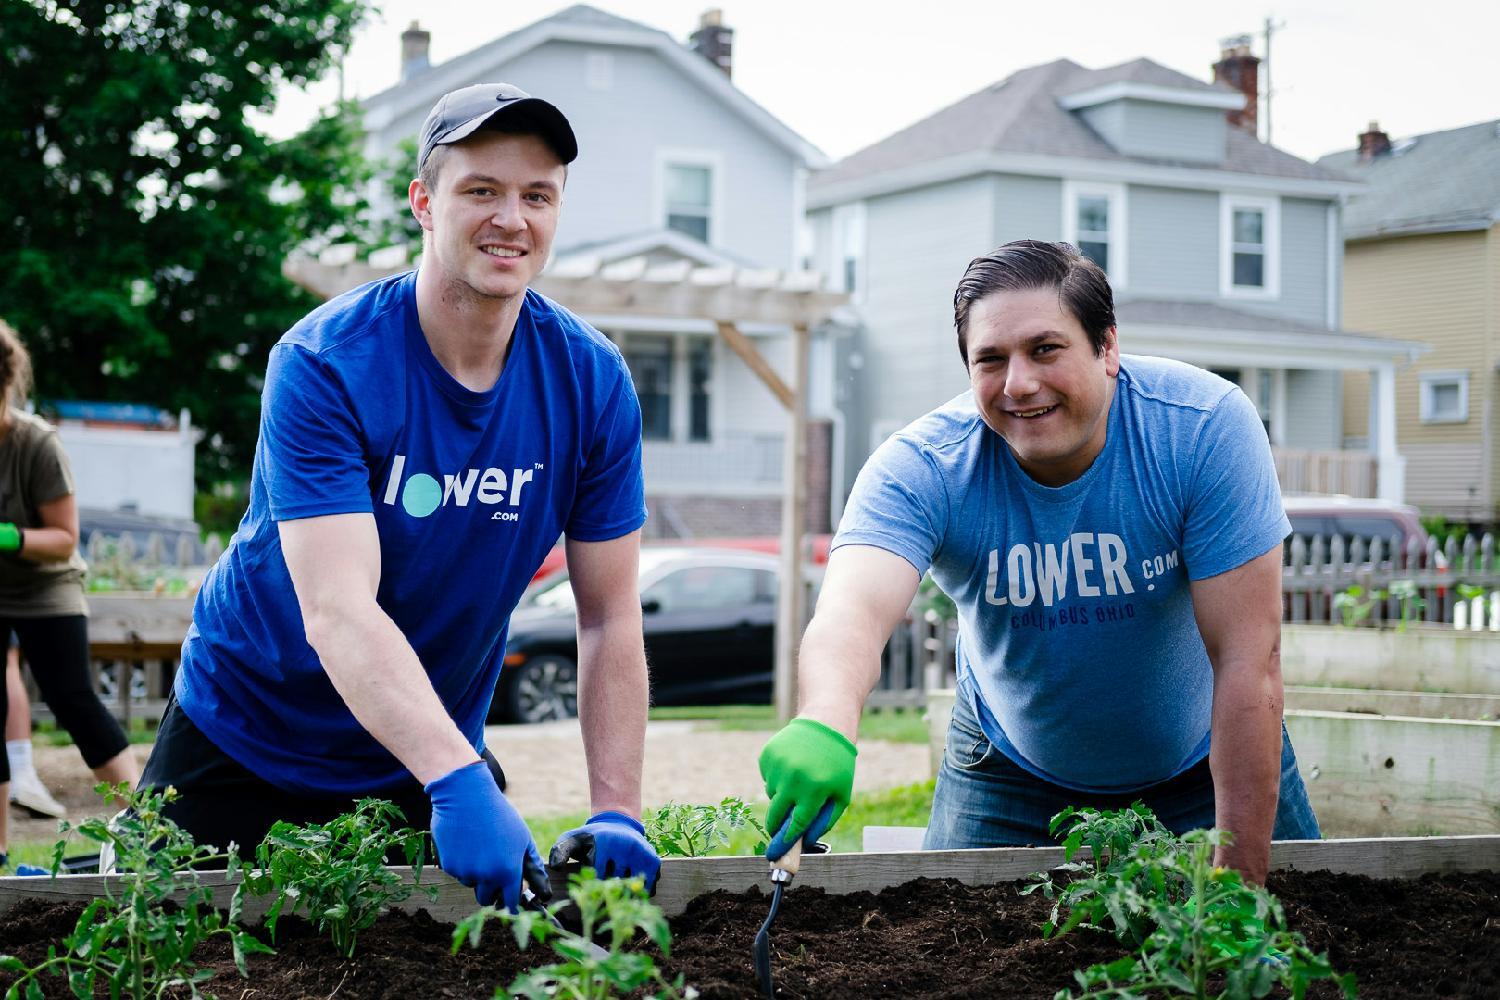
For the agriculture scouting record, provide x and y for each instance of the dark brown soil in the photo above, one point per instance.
(1436, 937)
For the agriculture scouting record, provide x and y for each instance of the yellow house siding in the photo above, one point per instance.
(1436, 290)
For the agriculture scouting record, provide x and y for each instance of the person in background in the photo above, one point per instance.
(41, 580)
(26, 788)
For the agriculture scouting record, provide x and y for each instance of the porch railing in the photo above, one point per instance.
(1349, 472)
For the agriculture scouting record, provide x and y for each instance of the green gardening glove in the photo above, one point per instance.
(10, 537)
(809, 774)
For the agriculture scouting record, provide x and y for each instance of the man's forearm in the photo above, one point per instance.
(838, 665)
(613, 694)
(377, 673)
(1246, 763)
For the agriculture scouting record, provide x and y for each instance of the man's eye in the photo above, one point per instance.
(1046, 348)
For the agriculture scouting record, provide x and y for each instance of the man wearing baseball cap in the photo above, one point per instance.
(424, 439)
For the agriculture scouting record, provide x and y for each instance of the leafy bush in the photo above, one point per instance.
(336, 872)
(615, 908)
(128, 941)
(113, 568)
(692, 831)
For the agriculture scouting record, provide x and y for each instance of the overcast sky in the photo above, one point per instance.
(846, 74)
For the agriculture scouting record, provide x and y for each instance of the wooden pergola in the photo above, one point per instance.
(726, 297)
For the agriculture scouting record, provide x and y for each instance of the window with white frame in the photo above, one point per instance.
(1094, 222)
(849, 246)
(1445, 397)
(689, 199)
(1249, 246)
(599, 70)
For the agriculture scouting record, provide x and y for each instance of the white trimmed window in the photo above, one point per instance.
(689, 194)
(1445, 397)
(849, 248)
(1249, 246)
(1094, 222)
(599, 70)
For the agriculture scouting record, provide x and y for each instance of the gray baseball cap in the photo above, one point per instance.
(461, 113)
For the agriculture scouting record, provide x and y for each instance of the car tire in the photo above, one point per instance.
(543, 689)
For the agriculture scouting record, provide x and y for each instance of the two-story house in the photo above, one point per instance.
(1223, 251)
(1422, 261)
(676, 164)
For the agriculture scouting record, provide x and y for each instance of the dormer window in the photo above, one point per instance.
(1094, 222)
(1249, 246)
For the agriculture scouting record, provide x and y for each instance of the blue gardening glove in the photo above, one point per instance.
(481, 840)
(613, 844)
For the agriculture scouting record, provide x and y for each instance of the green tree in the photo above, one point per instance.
(148, 218)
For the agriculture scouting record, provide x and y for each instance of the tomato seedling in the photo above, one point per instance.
(336, 872)
(617, 909)
(692, 831)
(129, 941)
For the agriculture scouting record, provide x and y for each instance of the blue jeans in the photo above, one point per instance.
(984, 799)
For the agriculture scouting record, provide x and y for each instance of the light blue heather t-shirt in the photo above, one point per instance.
(1077, 642)
(469, 490)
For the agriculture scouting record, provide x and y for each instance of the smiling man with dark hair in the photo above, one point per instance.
(1109, 528)
(424, 440)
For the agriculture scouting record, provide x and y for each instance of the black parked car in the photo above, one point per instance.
(709, 618)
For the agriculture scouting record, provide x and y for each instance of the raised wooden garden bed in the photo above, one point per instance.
(1373, 775)
(945, 924)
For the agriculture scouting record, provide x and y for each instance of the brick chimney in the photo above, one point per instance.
(414, 45)
(1373, 143)
(1241, 70)
(713, 41)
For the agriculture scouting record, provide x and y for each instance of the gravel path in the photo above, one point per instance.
(685, 762)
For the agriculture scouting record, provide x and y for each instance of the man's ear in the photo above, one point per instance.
(420, 200)
(1112, 353)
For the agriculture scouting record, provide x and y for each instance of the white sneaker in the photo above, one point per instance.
(28, 792)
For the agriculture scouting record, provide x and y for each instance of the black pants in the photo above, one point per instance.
(57, 651)
(220, 801)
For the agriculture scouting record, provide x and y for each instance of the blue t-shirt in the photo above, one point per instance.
(1077, 643)
(468, 490)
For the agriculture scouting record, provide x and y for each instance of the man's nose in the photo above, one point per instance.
(1020, 379)
(507, 214)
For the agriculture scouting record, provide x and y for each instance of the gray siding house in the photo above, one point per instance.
(1223, 251)
(675, 164)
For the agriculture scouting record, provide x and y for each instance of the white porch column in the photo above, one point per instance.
(1390, 482)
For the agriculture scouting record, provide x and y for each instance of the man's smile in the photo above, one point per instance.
(1041, 411)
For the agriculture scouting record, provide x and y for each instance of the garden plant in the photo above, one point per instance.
(127, 941)
(1199, 930)
(616, 909)
(336, 872)
(692, 831)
